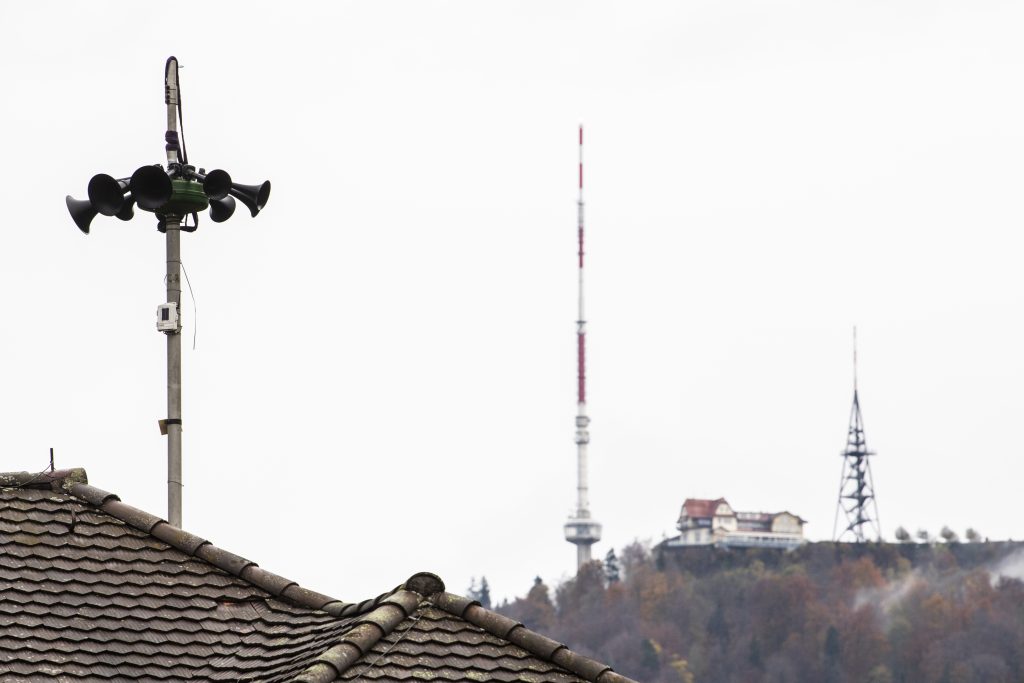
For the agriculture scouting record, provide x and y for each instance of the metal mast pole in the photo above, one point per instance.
(171, 196)
(172, 225)
(581, 530)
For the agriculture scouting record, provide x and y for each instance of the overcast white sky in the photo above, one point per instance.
(384, 375)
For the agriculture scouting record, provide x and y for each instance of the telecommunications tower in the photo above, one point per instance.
(857, 504)
(581, 530)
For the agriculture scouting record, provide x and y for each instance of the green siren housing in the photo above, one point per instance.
(187, 196)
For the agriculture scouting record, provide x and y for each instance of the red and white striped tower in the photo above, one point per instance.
(581, 530)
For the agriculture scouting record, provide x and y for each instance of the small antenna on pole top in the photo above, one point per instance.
(855, 359)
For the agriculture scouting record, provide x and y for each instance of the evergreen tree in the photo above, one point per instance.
(754, 656)
(611, 567)
(832, 652)
(718, 627)
(650, 657)
(483, 596)
(481, 593)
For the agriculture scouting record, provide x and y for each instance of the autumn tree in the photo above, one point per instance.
(843, 613)
(536, 610)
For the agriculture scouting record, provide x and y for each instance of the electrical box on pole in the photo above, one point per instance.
(167, 318)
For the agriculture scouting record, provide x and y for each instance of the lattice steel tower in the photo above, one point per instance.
(857, 504)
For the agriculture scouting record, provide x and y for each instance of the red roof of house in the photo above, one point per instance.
(701, 507)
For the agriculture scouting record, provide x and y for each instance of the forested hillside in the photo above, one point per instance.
(833, 613)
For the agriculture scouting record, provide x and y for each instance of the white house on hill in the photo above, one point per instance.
(714, 522)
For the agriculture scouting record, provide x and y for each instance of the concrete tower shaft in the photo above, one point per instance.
(580, 529)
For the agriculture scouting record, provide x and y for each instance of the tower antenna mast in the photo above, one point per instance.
(857, 505)
(580, 529)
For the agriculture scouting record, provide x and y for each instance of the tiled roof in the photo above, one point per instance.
(92, 589)
(698, 508)
(422, 632)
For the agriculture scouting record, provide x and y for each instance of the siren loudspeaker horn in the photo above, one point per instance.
(127, 208)
(82, 212)
(253, 196)
(151, 187)
(216, 183)
(107, 194)
(221, 209)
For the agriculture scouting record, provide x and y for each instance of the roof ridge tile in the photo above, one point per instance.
(55, 480)
(534, 642)
(508, 629)
(90, 494)
(178, 538)
(385, 617)
(340, 609)
(306, 597)
(331, 664)
(492, 622)
(140, 519)
(424, 583)
(344, 610)
(453, 604)
(407, 600)
(391, 609)
(268, 581)
(585, 667)
(195, 546)
(222, 559)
